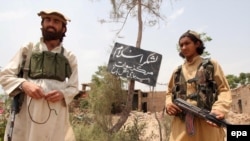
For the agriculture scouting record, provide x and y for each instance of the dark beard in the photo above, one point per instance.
(48, 35)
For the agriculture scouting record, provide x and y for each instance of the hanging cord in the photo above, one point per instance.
(47, 117)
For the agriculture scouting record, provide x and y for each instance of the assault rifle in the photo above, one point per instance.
(19, 98)
(203, 113)
(15, 109)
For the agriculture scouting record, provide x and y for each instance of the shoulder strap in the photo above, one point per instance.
(205, 61)
(62, 50)
(27, 62)
(179, 89)
(209, 68)
(177, 75)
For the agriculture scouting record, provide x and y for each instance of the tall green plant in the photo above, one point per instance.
(106, 96)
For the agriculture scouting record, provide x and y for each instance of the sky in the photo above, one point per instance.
(227, 22)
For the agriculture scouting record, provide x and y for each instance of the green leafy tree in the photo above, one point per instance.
(106, 97)
(236, 81)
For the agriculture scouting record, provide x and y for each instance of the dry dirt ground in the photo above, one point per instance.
(151, 132)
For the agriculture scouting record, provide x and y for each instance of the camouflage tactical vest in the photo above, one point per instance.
(206, 88)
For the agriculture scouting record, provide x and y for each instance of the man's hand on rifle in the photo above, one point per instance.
(218, 114)
(172, 109)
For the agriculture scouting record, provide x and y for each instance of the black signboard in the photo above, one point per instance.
(135, 63)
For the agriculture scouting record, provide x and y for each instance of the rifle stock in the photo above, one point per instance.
(15, 108)
(203, 113)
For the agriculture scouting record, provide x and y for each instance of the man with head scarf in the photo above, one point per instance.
(202, 83)
(48, 85)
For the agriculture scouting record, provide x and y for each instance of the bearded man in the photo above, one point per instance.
(48, 83)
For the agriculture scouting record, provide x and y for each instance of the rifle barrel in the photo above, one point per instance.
(203, 113)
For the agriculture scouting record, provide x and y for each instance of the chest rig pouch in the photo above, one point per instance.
(49, 65)
(206, 88)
